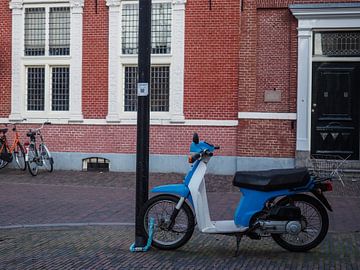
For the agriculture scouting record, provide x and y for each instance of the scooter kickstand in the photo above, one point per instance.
(238, 240)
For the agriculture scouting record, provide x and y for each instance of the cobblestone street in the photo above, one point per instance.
(45, 220)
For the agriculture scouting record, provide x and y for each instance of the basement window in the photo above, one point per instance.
(96, 164)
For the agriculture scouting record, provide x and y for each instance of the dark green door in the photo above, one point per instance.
(335, 109)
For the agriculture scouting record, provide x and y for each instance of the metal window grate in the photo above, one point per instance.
(159, 100)
(34, 31)
(60, 88)
(160, 28)
(337, 43)
(130, 22)
(96, 164)
(35, 88)
(59, 31)
(131, 79)
(160, 89)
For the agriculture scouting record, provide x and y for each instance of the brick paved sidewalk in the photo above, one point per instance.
(108, 248)
(81, 197)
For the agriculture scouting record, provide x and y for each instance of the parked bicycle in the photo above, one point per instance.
(14, 151)
(38, 156)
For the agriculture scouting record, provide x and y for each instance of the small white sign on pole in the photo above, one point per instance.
(143, 89)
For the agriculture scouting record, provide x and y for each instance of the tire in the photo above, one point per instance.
(32, 161)
(19, 155)
(48, 161)
(182, 232)
(3, 163)
(314, 210)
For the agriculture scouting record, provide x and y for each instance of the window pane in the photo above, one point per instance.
(337, 43)
(159, 88)
(60, 89)
(131, 79)
(160, 28)
(35, 88)
(34, 31)
(130, 15)
(59, 31)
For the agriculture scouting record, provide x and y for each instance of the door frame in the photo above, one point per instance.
(344, 16)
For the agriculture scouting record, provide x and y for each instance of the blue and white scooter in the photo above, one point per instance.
(273, 204)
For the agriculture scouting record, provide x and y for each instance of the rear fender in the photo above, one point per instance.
(320, 196)
(177, 189)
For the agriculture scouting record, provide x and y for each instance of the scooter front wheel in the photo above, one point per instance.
(167, 234)
(315, 223)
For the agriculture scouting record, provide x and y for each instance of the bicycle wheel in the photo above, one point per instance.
(3, 163)
(19, 154)
(48, 161)
(160, 208)
(315, 224)
(32, 162)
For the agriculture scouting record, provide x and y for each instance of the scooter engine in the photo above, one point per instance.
(280, 219)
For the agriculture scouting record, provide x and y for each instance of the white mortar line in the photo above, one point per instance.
(46, 225)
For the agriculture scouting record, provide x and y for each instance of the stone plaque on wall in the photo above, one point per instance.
(272, 96)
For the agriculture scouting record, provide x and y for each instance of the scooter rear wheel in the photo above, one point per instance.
(316, 224)
(161, 208)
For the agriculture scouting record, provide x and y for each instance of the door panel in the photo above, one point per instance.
(335, 109)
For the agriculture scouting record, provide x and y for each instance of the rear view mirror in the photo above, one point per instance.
(196, 138)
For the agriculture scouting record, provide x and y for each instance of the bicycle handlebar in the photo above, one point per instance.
(36, 130)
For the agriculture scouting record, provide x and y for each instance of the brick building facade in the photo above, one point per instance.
(238, 72)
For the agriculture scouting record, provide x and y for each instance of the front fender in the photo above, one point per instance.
(177, 189)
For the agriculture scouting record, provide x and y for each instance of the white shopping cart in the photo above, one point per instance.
(328, 166)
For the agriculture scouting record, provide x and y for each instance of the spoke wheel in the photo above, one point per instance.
(48, 161)
(314, 223)
(161, 208)
(3, 163)
(20, 157)
(32, 162)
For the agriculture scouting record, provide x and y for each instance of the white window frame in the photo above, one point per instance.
(118, 61)
(20, 62)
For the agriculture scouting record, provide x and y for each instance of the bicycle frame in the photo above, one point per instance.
(16, 141)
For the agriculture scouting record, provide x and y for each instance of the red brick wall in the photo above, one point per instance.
(268, 58)
(211, 59)
(286, 3)
(95, 60)
(5, 59)
(274, 59)
(266, 138)
(173, 140)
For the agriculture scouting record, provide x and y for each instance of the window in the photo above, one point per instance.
(159, 100)
(36, 88)
(47, 33)
(60, 88)
(160, 28)
(44, 64)
(160, 45)
(167, 60)
(38, 27)
(337, 43)
(37, 97)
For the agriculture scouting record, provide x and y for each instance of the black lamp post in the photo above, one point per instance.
(143, 117)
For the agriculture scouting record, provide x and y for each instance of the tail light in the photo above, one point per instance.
(324, 186)
(26, 146)
(327, 186)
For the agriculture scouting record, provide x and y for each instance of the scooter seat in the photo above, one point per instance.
(272, 179)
